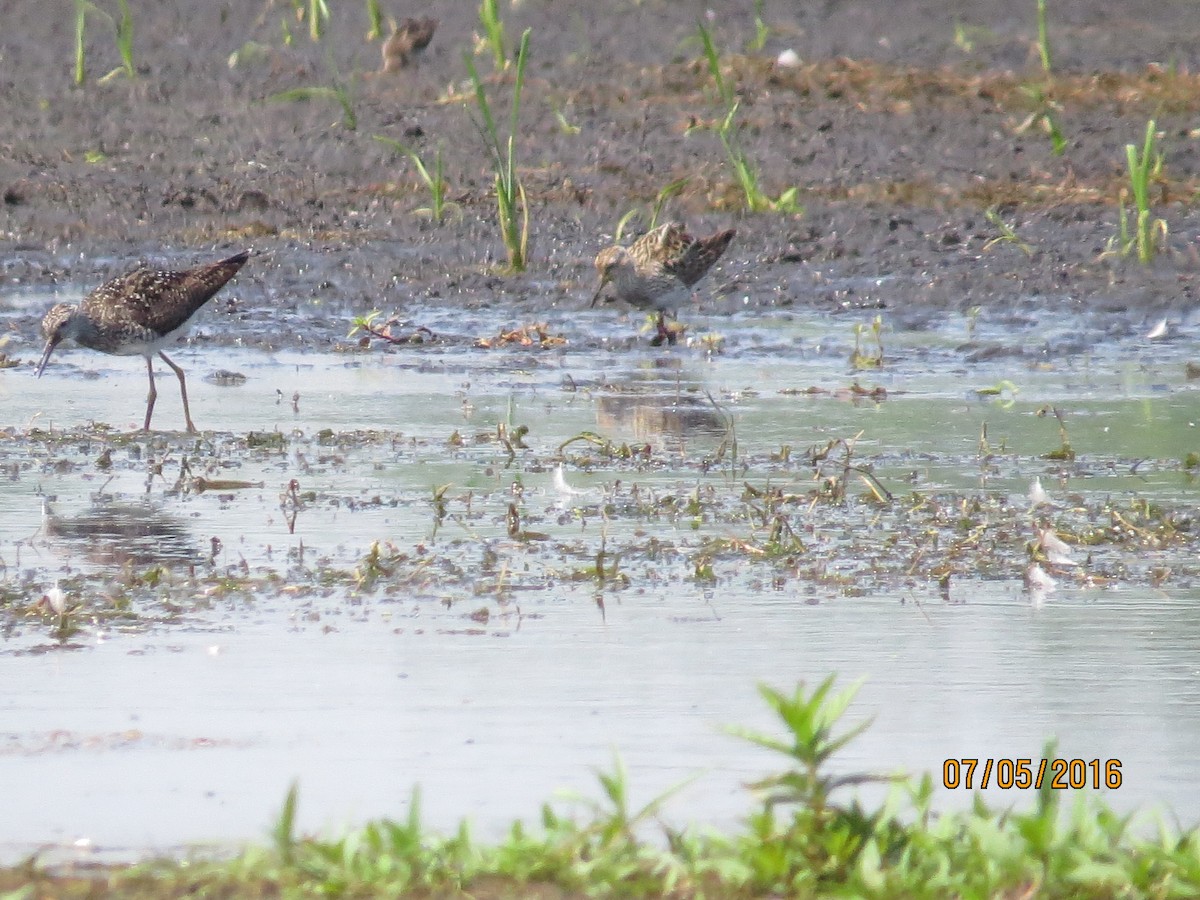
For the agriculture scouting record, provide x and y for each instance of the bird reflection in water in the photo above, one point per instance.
(659, 407)
(119, 534)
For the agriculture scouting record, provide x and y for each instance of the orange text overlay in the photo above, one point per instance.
(1058, 774)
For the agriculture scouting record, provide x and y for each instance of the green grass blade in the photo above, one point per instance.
(1043, 38)
(714, 65)
(375, 19)
(125, 38)
(519, 86)
(81, 8)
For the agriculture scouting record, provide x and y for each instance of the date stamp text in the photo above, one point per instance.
(1022, 774)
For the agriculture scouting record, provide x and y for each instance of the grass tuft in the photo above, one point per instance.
(512, 208)
(744, 169)
(435, 181)
(1008, 234)
(1144, 166)
(122, 26)
(336, 91)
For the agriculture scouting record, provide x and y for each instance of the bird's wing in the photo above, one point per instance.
(159, 300)
(698, 257)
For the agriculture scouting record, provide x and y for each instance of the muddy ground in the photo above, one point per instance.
(901, 126)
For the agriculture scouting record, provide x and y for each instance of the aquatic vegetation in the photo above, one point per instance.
(1064, 450)
(864, 355)
(827, 518)
(509, 191)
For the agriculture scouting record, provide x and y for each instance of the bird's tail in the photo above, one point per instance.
(199, 284)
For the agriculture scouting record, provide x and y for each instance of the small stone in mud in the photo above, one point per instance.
(225, 378)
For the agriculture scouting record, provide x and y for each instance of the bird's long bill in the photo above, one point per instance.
(599, 291)
(50, 345)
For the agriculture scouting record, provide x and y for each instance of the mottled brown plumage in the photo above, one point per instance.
(407, 40)
(659, 269)
(137, 314)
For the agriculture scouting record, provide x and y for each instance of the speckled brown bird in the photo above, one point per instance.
(137, 314)
(659, 269)
(407, 40)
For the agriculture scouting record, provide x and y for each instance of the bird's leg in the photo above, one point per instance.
(187, 416)
(152, 396)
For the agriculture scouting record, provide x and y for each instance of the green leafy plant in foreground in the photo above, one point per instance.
(510, 192)
(804, 839)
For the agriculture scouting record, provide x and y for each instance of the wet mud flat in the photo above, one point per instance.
(839, 456)
(898, 132)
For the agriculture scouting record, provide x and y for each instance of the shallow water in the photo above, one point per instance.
(485, 664)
